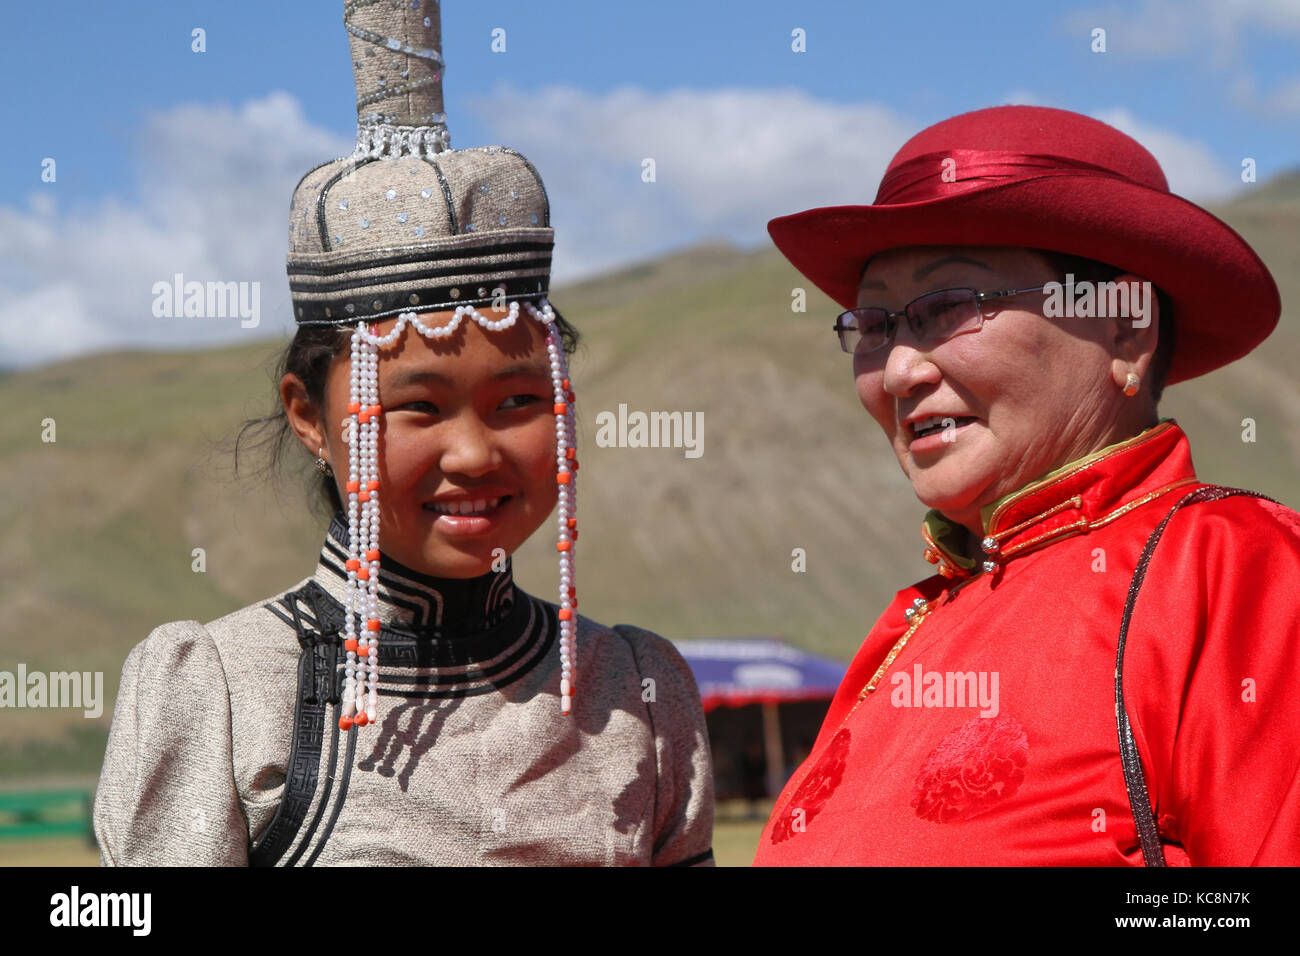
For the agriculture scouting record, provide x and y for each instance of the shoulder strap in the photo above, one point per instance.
(1139, 798)
(317, 665)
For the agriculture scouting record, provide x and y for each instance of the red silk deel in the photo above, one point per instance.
(991, 738)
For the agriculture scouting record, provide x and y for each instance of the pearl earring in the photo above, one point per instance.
(1131, 385)
(322, 465)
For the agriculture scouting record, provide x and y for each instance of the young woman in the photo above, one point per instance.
(407, 703)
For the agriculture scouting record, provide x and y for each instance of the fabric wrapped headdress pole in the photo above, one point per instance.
(408, 223)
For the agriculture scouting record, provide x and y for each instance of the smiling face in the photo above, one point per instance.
(466, 439)
(1027, 394)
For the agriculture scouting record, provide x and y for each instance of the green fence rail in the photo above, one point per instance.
(25, 814)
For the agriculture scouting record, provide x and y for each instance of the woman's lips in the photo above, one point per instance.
(485, 516)
(942, 438)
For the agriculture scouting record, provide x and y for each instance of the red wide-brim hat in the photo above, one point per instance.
(1044, 178)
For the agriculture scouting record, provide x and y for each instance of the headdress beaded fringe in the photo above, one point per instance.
(361, 673)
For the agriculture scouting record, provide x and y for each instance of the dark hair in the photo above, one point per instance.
(309, 356)
(1093, 271)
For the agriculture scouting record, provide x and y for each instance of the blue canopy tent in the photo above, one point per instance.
(735, 672)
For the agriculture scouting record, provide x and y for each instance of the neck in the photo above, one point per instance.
(427, 604)
(1142, 420)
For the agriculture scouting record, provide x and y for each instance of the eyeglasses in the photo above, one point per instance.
(933, 318)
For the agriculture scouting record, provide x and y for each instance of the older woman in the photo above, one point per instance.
(1104, 670)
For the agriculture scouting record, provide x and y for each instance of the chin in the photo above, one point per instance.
(452, 563)
(944, 496)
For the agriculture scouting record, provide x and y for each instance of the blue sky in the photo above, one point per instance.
(170, 160)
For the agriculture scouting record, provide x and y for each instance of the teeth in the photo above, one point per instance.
(933, 421)
(477, 506)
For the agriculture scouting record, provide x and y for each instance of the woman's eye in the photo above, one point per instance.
(519, 401)
(422, 406)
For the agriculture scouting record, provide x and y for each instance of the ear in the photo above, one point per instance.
(1134, 325)
(304, 417)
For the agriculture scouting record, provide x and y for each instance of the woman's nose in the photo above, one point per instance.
(469, 449)
(906, 365)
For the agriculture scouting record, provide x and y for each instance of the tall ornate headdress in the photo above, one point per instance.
(407, 224)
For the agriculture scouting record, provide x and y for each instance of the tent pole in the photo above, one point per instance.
(773, 751)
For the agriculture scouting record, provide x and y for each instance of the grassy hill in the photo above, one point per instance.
(99, 526)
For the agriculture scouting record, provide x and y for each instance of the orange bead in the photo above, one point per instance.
(362, 719)
(573, 523)
(561, 408)
(364, 496)
(565, 385)
(363, 574)
(353, 564)
(569, 396)
(350, 644)
(570, 453)
(574, 467)
(345, 723)
(562, 477)
(354, 407)
(562, 546)
(354, 486)
(372, 554)
(565, 614)
(372, 486)
(372, 624)
(364, 418)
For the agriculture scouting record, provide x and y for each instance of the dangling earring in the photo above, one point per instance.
(1131, 385)
(322, 465)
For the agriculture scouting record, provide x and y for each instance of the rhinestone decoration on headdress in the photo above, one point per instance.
(407, 221)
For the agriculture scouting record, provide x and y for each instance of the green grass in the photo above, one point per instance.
(51, 851)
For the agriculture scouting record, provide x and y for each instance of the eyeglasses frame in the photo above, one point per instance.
(892, 317)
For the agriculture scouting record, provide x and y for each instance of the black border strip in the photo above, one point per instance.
(413, 275)
(395, 302)
(697, 859)
(352, 166)
(421, 254)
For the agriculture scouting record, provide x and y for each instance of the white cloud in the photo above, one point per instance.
(1283, 101)
(1215, 33)
(726, 161)
(1163, 28)
(215, 185)
(214, 188)
(1021, 98)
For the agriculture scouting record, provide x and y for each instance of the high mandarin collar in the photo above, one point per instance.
(426, 605)
(1073, 499)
